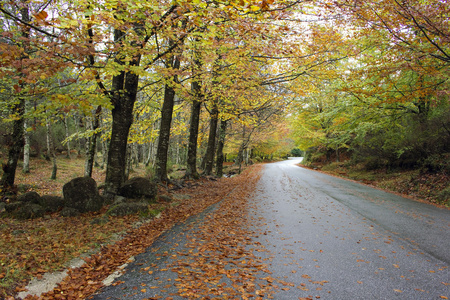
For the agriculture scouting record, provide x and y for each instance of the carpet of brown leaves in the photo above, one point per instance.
(31, 248)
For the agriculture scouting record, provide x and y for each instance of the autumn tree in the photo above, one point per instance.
(21, 59)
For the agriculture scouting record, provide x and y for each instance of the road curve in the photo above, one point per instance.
(339, 239)
(311, 236)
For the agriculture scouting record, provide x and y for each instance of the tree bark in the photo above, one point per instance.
(196, 86)
(51, 150)
(66, 127)
(15, 149)
(220, 158)
(26, 148)
(124, 91)
(191, 168)
(18, 110)
(209, 155)
(91, 149)
(242, 147)
(166, 121)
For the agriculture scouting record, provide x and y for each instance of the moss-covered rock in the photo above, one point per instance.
(82, 194)
(124, 209)
(29, 197)
(69, 212)
(139, 188)
(51, 203)
(28, 211)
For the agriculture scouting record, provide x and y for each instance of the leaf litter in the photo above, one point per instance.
(222, 248)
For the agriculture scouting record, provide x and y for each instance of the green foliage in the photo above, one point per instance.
(437, 163)
(444, 197)
(296, 152)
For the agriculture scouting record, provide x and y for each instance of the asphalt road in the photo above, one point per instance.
(310, 236)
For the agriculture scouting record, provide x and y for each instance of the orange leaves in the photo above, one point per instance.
(42, 15)
(37, 253)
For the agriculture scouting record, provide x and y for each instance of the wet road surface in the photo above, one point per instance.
(307, 235)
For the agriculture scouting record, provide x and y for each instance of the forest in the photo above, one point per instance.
(189, 84)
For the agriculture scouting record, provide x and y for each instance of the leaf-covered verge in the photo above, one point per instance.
(30, 248)
(431, 187)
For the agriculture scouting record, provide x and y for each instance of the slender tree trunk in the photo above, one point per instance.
(92, 146)
(209, 155)
(66, 127)
(26, 149)
(78, 125)
(220, 144)
(51, 150)
(191, 168)
(196, 86)
(17, 142)
(242, 147)
(165, 125)
(104, 154)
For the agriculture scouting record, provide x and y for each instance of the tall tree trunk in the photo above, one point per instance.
(124, 91)
(220, 158)
(129, 163)
(196, 87)
(66, 127)
(166, 121)
(209, 155)
(104, 154)
(51, 150)
(92, 146)
(26, 149)
(18, 110)
(242, 147)
(191, 168)
(15, 149)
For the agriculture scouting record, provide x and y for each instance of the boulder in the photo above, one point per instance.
(28, 211)
(29, 197)
(10, 207)
(81, 193)
(123, 209)
(69, 212)
(51, 203)
(139, 188)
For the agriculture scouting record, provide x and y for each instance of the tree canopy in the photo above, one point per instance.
(369, 78)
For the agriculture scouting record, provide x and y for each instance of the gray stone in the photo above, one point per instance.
(139, 188)
(29, 197)
(10, 207)
(82, 194)
(28, 211)
(69, 212)
(124, 209)
(51, 203)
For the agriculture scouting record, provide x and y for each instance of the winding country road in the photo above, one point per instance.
(310, 236)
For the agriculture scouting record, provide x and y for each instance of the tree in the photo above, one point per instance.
(18, 107)
(172, 64)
